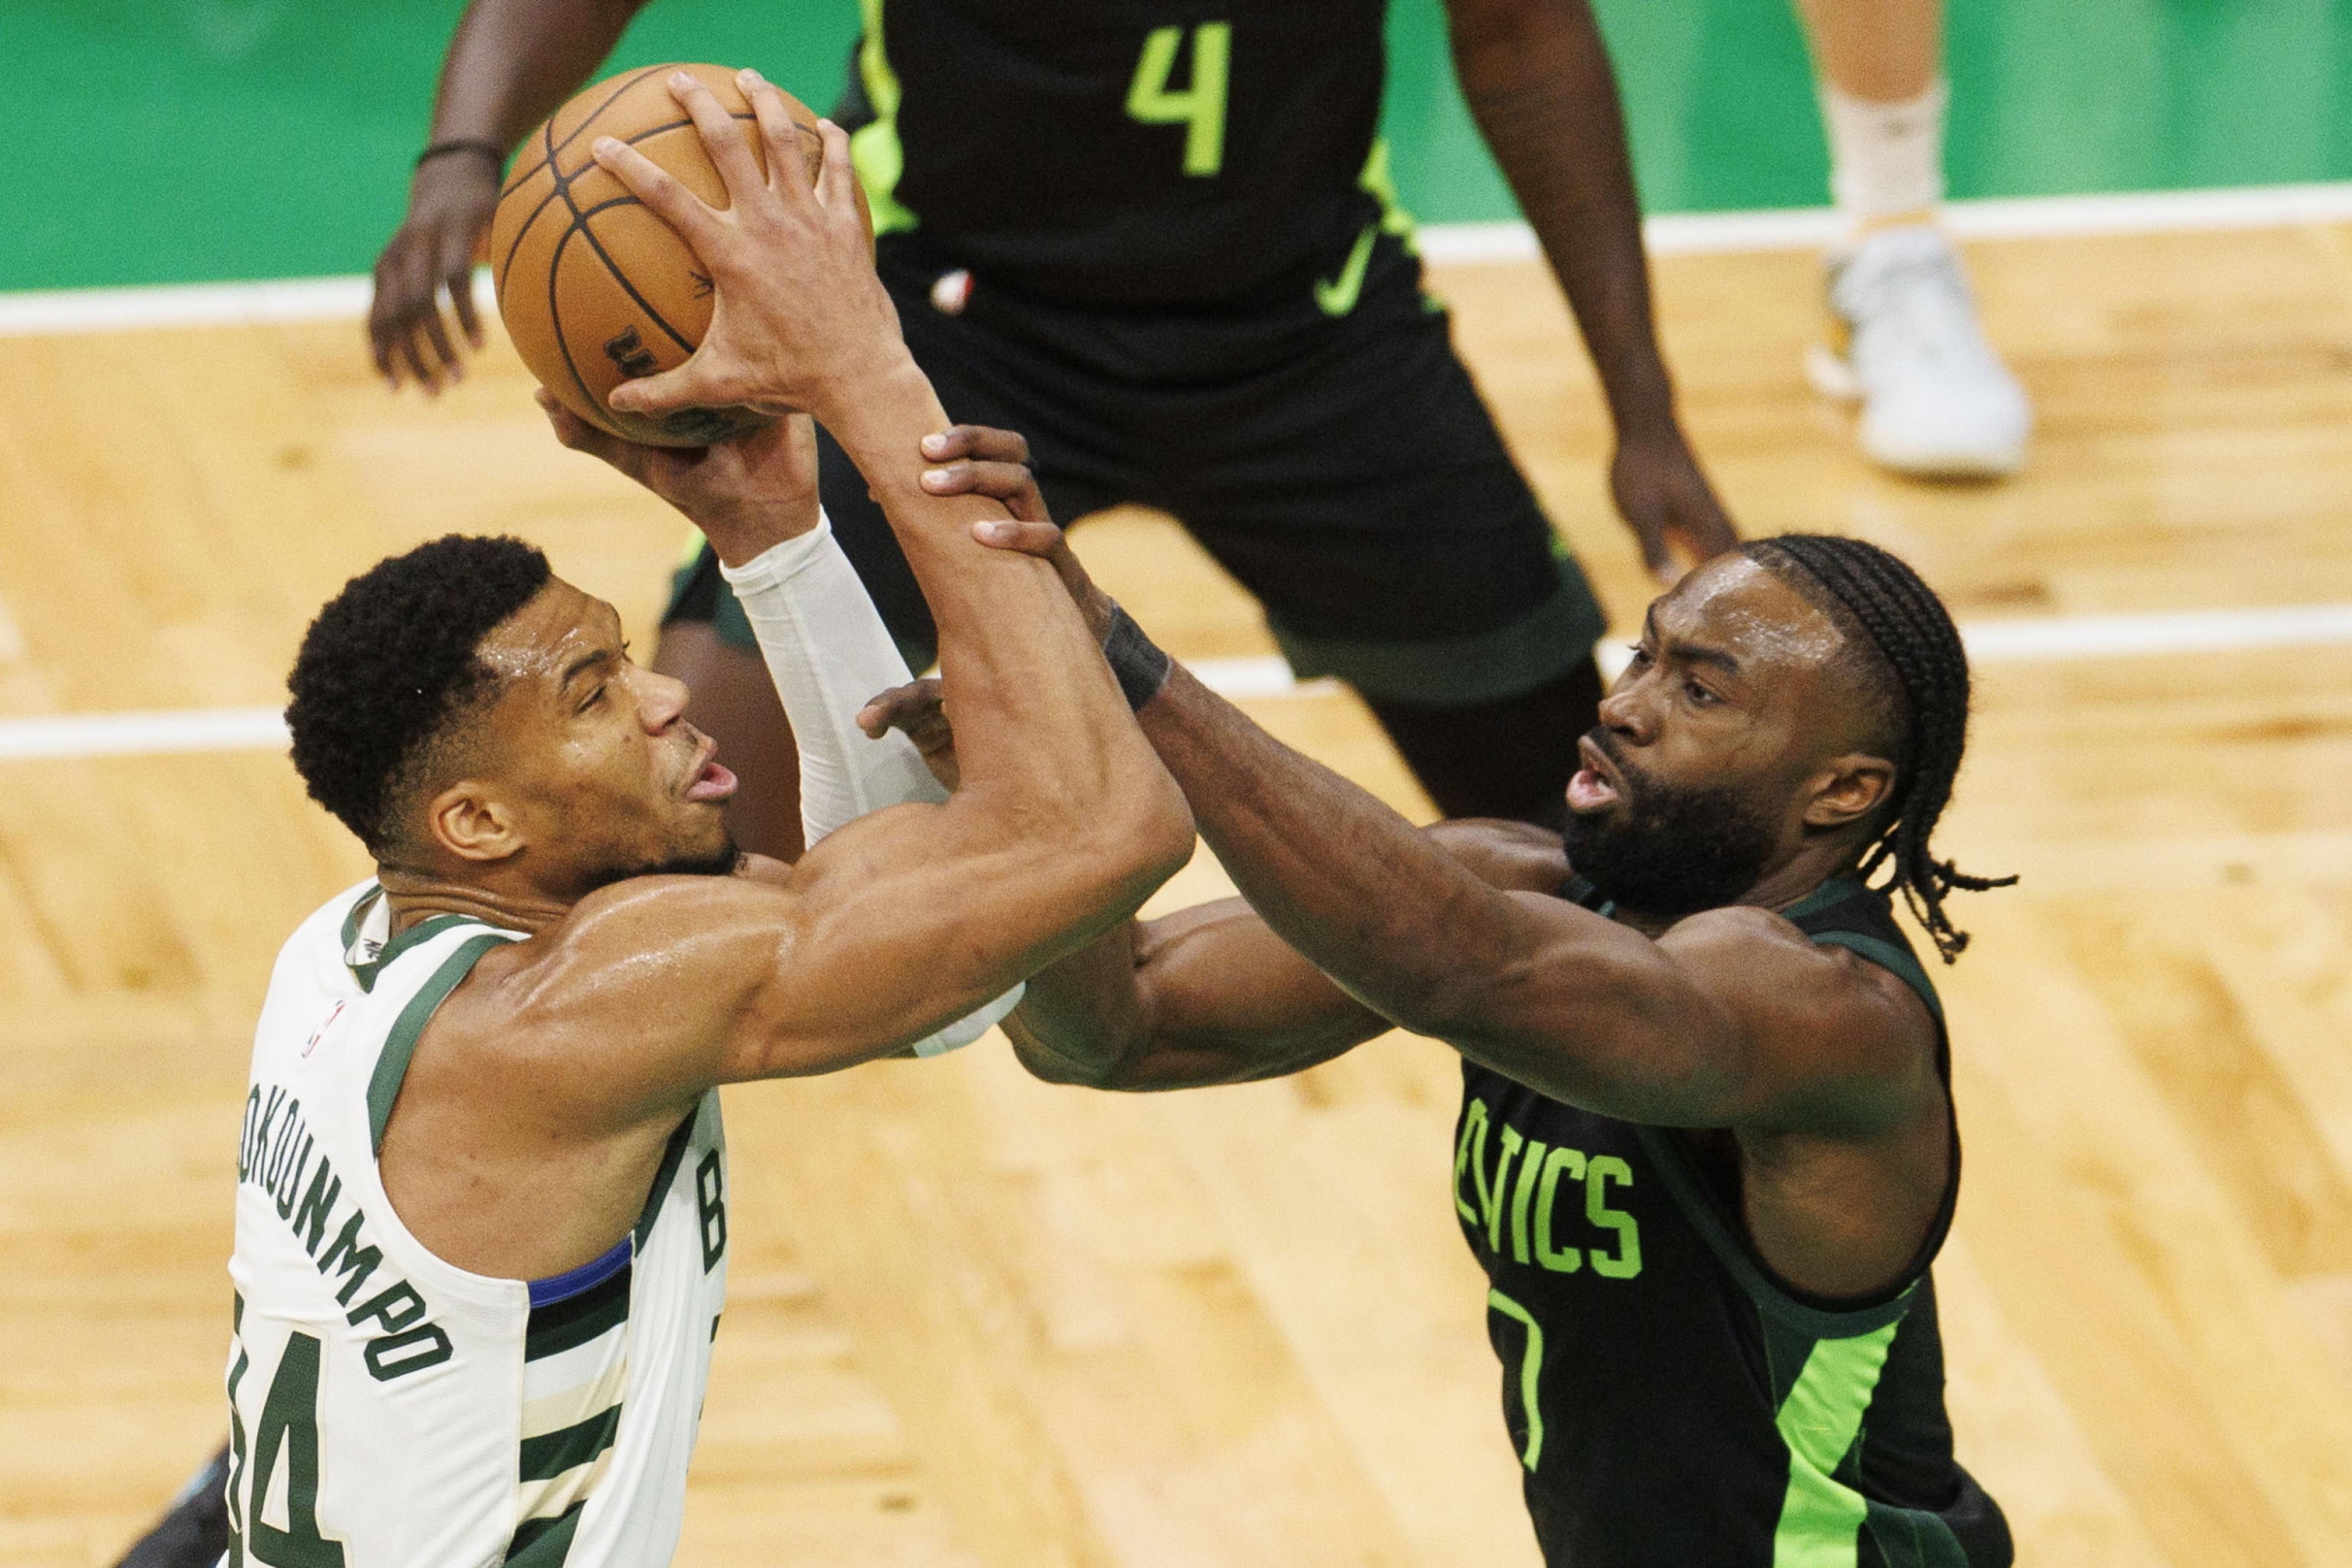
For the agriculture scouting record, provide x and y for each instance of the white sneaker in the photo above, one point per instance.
(1936, 399)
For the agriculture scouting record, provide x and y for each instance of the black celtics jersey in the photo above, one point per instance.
(1672, 1402)
(1126, 151)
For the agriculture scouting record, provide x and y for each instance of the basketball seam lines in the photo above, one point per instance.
(553, 149)
(580, 227)
(555, 317)
(497, 276)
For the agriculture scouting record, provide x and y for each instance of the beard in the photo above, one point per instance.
(1668, 850)
(719, 862)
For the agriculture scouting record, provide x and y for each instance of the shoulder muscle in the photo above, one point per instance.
(1836, 1043)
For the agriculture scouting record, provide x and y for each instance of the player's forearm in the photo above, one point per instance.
(1536, 77)
(513, 62)
(1559, 998)
(1042, 733)
(1335, 873)
(1081, 1019)
(1143, 1010)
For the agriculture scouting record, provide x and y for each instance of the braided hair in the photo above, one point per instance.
(1921, 670)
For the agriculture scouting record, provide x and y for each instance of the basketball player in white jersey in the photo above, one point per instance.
(482, 1212)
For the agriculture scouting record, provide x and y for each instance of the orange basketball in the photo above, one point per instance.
(594, 289)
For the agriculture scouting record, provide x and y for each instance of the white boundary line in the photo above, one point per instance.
(2061, 639)
(41, 311)
(142, 734)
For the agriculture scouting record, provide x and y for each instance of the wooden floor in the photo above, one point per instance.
(977, 1320)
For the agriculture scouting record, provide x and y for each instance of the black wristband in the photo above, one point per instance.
(491, 150)
(1138, 663)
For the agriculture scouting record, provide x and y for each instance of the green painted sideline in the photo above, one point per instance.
(178, 140)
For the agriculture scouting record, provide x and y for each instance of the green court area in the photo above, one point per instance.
(165, 141)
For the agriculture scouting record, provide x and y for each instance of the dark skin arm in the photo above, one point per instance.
(1536, 77)
(511, 64)
(1817, 1068)
(1210, 995)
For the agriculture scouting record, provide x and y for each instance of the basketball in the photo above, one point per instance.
(596, 289)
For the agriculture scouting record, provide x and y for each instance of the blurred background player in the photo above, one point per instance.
(1168, 253)
(1936, 400)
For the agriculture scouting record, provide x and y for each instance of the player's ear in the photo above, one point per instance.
(1846, 789)
(468, 821)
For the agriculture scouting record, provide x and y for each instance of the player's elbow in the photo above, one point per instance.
(1138, 835)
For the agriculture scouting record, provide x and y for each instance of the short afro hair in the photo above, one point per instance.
(391, 661)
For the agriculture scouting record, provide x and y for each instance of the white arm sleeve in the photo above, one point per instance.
(829, 654)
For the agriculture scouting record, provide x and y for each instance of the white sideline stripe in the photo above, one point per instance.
(46, 310)
(143, 734)
(2057, 638)
(2007, 217)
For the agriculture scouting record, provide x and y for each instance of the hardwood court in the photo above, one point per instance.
(978, 1320)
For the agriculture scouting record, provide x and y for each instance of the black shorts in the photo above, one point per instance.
(1329, 449)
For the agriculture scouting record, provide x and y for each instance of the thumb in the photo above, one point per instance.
(691, 386)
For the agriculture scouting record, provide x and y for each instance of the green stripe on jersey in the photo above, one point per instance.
(544, 1542)
(672, 1157)
(1820, 1518)
(548, 1456)
(400, 1045)
(875, 150)
(566, 1324)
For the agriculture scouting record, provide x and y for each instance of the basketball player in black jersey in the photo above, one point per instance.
(1706, 1151)
(1160, 240)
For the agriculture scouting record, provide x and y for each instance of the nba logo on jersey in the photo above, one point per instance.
(317, 1033)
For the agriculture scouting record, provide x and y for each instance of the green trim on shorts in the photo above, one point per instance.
(1484, 666)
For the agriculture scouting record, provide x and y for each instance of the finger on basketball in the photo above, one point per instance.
(788, 157)
(722, 136)
(837, 184)
(570, 430)
(657, 188)
(688, 386)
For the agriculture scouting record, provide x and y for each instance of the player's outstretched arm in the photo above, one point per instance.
(1536, 77)
(511, 65)
(1730, 1018)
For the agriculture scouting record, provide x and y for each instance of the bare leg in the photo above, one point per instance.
(735, 704)
(1887, 51)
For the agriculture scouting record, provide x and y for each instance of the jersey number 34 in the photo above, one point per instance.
(289, 1436)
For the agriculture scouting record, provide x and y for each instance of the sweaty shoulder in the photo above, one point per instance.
(633, 934)
(1515, 856)
(1853, 1046)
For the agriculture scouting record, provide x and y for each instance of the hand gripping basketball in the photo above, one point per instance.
(799, 316)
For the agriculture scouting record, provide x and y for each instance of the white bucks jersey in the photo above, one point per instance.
(391, 1411)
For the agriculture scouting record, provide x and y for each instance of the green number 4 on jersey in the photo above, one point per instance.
(1200, 107)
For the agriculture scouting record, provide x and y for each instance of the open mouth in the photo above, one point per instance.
(1595, 786)
(710, 781)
